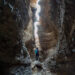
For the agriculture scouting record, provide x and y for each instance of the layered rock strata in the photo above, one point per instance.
(57, 30)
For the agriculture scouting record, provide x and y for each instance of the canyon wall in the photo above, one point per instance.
(56, 36)
(57, 30)
(47, 30)
(15, 20)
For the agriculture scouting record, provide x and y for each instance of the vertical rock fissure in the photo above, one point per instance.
(36, 24)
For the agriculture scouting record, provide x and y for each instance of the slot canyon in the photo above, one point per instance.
(48, 25)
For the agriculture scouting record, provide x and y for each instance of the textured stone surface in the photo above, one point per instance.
(56, 35)
(47, 31)
(14, 20)
(57, 29)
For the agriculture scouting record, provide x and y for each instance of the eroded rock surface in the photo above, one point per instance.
(56, 29)
(56, 36)
(14, 20)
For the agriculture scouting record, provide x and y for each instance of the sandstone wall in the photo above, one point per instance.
(57, 30)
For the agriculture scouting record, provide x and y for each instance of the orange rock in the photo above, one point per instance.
(33, 1)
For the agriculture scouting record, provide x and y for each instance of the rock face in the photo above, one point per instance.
(56, 36)
(57, 29)
(33, 3)
(66, 25)
(48, 33)
(14, 20)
